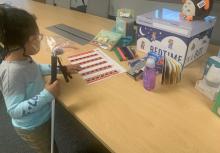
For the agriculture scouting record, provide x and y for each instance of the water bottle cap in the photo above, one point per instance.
(150, 63)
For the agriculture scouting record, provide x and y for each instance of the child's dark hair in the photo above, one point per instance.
(16, 26)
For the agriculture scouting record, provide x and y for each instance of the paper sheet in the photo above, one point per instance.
(96, 65)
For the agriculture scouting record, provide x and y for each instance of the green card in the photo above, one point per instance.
(216, 106)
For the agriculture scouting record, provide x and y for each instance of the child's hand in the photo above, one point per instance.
(73, 68)
(53, 88)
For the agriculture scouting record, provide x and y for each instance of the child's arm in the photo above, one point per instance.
(18, 107)
(45, 69)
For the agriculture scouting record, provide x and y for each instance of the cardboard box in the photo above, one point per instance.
(166, 33)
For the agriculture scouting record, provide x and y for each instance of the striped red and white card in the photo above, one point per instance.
(96, 65)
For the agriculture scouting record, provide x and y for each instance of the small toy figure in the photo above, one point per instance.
(153, 36)
(142, 45)
(196, 9)
(170, 44)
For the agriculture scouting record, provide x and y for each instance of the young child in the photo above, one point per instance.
(27, 97)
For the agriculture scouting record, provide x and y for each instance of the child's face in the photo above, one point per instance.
(32, 47)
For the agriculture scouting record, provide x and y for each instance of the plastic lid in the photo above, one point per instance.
(150, 63)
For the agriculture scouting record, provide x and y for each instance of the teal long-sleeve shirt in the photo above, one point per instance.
(28, 102)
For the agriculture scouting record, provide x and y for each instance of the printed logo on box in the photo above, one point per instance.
(197, 47)
(184, 50)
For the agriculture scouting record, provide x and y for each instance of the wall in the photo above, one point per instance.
(143, 6)
(43, 1)
(66, 3)
(140, 6)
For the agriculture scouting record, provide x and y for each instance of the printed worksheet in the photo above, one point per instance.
(96, 65)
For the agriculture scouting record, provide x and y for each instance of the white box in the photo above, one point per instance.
(166, 33)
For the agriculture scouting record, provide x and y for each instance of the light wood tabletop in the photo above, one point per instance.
(119, 111)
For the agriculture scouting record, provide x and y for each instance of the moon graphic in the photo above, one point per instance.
(141, 32)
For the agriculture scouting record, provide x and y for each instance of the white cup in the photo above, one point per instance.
(213, 76)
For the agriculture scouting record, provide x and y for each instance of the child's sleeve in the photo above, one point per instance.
(18, 107)
(45, 69)
(15, 95)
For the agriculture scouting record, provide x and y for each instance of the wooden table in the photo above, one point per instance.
(120, 113)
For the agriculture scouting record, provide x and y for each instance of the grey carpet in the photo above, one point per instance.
(70, 135)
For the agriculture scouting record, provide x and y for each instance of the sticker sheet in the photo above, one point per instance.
(96, 65)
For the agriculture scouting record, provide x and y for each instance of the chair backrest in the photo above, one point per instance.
(98, 7)
(42, 1)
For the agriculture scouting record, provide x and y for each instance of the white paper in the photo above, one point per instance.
(93, 66)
